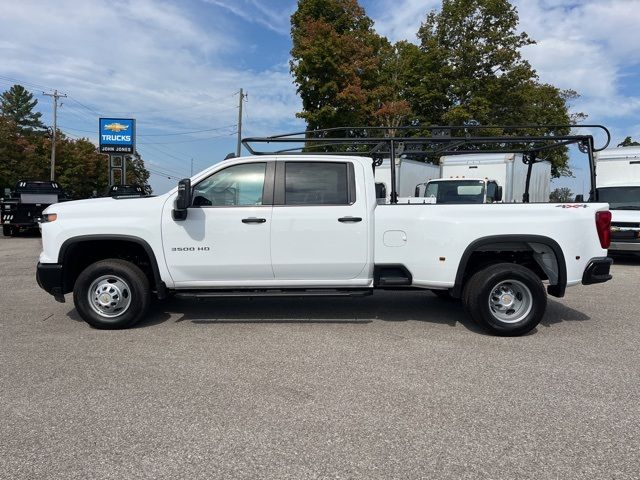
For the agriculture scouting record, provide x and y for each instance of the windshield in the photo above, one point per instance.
(620, 198)
(458, 191)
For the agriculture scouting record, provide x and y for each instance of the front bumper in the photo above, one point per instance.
(597, 271)
(50, 279)
(625, 237)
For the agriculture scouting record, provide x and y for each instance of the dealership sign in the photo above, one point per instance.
(117, 135)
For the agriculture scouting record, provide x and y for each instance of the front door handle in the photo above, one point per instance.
(350, 219)
(254, 220)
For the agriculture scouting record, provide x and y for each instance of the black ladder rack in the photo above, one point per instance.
(434, 141)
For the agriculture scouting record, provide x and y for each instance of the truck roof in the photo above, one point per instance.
(457, 179)
(478, 158)
(618, 153)
(481, 158)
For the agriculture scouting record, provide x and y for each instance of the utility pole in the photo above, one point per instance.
(55, 96)
(191, 167)
(243, 97)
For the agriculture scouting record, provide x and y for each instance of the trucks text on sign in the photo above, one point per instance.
(117, 135)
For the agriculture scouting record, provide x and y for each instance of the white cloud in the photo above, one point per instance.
(144, 56)
(275, 18)
(400, 20)
(173, 68)
(588, 45)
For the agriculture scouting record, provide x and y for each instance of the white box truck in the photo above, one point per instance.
(618, 183)
(506, 169)
(409, 173)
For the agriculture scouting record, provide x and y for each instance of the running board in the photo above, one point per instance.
(292, 292)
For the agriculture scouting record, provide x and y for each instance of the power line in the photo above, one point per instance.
(162, 174)
(187, 133)
(92, 110)
(173, 109)
(164, 152)
(161, 134)
(78, 129)
(28, 84)
(171, 155)
(69, 134)
(189, 141)
(170, 171)
(79, 114)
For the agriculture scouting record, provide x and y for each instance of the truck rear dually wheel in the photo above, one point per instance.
(111, 294)
(505, 299)
(8, 231)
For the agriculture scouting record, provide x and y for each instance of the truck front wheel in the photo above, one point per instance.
(8, 231)
(506, 299)
(111, 294)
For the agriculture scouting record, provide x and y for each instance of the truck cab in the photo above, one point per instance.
(618, 184)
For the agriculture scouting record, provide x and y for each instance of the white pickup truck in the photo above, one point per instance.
(618, 183)
(310, 225)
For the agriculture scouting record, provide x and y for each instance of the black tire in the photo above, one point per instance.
(130, 288)
(8, 231)
(517, 285)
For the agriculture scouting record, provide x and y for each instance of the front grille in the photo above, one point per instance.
(625, 231)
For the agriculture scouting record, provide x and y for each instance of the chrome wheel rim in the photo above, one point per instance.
(510, 301)
(109, 296)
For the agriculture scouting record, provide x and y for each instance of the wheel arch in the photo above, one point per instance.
(117, 243)
(510, 243)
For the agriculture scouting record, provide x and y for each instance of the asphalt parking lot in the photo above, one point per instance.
(389, 386)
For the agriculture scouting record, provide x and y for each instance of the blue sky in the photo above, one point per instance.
(176, 66)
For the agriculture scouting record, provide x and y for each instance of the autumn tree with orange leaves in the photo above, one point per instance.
(344, 70)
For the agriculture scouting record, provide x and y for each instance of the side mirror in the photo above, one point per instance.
(381, 190)
(417, 193)
(498, 197)
(183, 200)
(579, 198)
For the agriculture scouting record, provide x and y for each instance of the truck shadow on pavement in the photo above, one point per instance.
(387, 307)
(558, 312)
(626, 259)
(384, 306)
(390, 307)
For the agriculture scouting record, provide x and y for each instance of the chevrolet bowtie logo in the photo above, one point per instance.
(116, 127)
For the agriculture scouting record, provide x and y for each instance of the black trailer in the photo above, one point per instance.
(22, 209)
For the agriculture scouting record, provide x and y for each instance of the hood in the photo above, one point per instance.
(102, 204)
(627, 216)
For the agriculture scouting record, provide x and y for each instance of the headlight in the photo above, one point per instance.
(49, 217)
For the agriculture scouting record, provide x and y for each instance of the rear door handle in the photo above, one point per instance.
(350, 219)
(254, 220)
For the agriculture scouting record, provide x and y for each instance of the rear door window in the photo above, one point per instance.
(318, 183)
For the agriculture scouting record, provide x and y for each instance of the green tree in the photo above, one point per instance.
(137, 173)
(474, 48)
(17, 104)
(561, 195)
(80, 169)
(628, 142)
(336, 62)
(468, 67)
